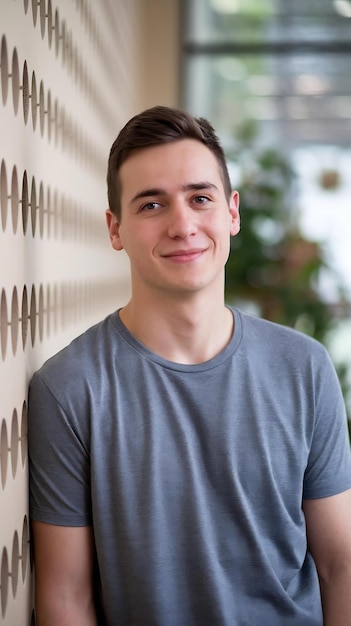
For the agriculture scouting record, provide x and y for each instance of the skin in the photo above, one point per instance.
(175, 228)
(64, 561)
(328, 524)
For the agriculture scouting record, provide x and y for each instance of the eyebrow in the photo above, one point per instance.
(158, 191)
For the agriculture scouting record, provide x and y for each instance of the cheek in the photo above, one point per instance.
(222, 230)
(138, 247)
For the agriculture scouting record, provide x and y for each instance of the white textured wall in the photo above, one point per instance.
(67, 72)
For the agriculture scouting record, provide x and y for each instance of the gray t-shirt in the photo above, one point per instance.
(192, 475)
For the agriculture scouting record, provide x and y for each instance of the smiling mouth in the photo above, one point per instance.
(184, 255)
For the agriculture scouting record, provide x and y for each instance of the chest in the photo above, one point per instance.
(234, 432)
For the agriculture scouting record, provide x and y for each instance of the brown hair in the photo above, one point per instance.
(156, 126)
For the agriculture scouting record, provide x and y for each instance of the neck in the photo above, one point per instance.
(189, 330)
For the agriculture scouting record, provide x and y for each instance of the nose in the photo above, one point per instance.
(182, 221)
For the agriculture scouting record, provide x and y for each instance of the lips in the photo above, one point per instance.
(184, 255)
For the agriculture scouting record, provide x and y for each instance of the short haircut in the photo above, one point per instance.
(156, 126)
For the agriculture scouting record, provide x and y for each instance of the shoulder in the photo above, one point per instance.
(264, 330)
(269, 342)
(78, 361)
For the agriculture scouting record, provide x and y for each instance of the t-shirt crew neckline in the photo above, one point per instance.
(182, 367)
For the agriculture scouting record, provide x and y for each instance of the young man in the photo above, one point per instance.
(189, 463)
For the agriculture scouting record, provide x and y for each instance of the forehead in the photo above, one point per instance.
(187, 160)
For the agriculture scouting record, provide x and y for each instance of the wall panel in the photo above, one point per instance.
(67, 84)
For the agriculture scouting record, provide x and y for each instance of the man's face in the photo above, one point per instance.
(176, 222)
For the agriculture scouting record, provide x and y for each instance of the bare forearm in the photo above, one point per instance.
(67, 620)
(64, 564)
(59, 615)
(336, 600)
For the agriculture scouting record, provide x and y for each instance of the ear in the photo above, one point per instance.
(234, 213)
(113, 229)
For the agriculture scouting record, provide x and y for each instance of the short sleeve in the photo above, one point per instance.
(329, 466)
(59, 461)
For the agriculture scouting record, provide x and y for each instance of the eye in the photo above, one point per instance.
(201, 199)
(150, 206)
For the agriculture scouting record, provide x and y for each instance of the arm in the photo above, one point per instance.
(64, 561)
(328, 524)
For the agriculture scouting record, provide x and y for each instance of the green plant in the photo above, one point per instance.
(272, 266)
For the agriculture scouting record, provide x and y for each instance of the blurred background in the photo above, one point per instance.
(273, 78)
